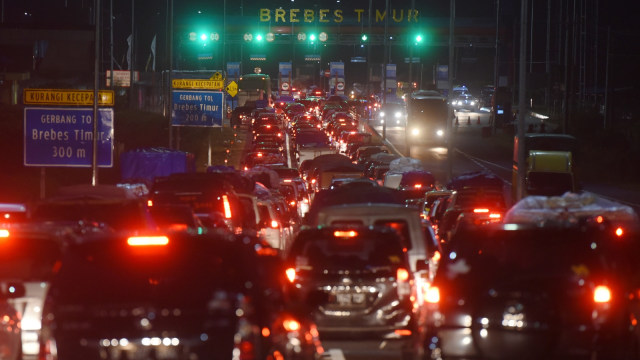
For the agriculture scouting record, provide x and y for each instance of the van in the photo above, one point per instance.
(406, 221)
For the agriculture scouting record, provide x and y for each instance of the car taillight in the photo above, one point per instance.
(4, 233)
(619, 232)
(432, 295)
(417, 186)
(292, 203)
(305, 200)
(245, 350)
(602, 294)
(148, 241)
(495, 216)
(274, 224)
(48, 350)
(402, 332)
(480, 211)
(402, 274)
(291, 325)
(291, 274)
(227, 207)
(149, 203)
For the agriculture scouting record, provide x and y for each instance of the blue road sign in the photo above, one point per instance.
(197, 108)
(64, 137)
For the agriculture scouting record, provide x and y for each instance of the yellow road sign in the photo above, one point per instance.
(216, 76)
(232, 88)
(66, 97)
(200, 84)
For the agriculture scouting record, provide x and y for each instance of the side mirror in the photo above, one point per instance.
(422, 265)
(13, 290)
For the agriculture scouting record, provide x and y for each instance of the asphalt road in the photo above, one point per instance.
(473, 152)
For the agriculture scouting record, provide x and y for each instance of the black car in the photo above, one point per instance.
(512, 291)
(178, 297)
(358, 285)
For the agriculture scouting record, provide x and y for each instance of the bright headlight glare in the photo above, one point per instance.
(398, 114)
(381, 113)
(473, 103)
(415, 132)
(440, 133)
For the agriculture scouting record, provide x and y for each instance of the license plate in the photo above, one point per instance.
(350, 299)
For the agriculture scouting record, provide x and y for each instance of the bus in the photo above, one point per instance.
(254, 87)
(427, 116)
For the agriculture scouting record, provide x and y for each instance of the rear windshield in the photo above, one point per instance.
(118, 215)
(184, 271)
(25, 258)
(358, 253)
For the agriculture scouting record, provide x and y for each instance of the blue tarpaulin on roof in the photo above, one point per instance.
(147, 164)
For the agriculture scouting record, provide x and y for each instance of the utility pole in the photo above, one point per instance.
(452, 17)
(496, 60)
(170, 81)
(522, 100)
(96, 87)
(547, 60)
(384, 64)
(131, 58)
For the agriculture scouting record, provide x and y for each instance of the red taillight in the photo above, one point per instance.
(291, 325)
(227, 207)
(291, 274)
(148, 241)
(402, 274)
(599, 219)
(601, 294)
(402, 332)
(48, 350)
(4, 233)
(345, 234)
(313, 181)
(292, 203)
(274, 224)
(436, 256)
(178, 227)
(432, 295)
(259, 155)
(417, 186)
(266, 332)
(619, 232)
(149, 203)
(495, 216)
(247, 350)
(480, 211)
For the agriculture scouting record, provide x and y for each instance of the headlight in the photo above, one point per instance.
(415, 132)
(440, 133)
(473, 102)
(398, 114)
(381, 113)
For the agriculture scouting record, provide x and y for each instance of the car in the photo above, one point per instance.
(176, 217)
(465, 101)
(10, 332)
(171, 297)
(393, 114)
(11, 213)
(109, 206)
(357, 284)
(540, 291)
(29, 256)
(474, 201)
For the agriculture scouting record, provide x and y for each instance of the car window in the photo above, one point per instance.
(401, 227)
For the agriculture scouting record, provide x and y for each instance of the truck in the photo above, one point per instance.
(552, 164)
(550, 173)
(427, 116)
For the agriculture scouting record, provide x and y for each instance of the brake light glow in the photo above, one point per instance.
(402, 274)
(417, 186)
(402, 332)
(292, 203)
(495, 216)
(291, 325)
(291, 274)
(436, 256)
(480, 211)
(601, 294)
(345, 234)
(313, 181)
(619, 232)
(599, 219)
(148, 241)
(432, 295)
(286, 180)
(274, 224)
(266, 332)
(259, 155)
(227, 207)
(149, 203)
(4, 233)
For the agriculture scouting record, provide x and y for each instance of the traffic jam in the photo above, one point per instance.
(321, 242)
